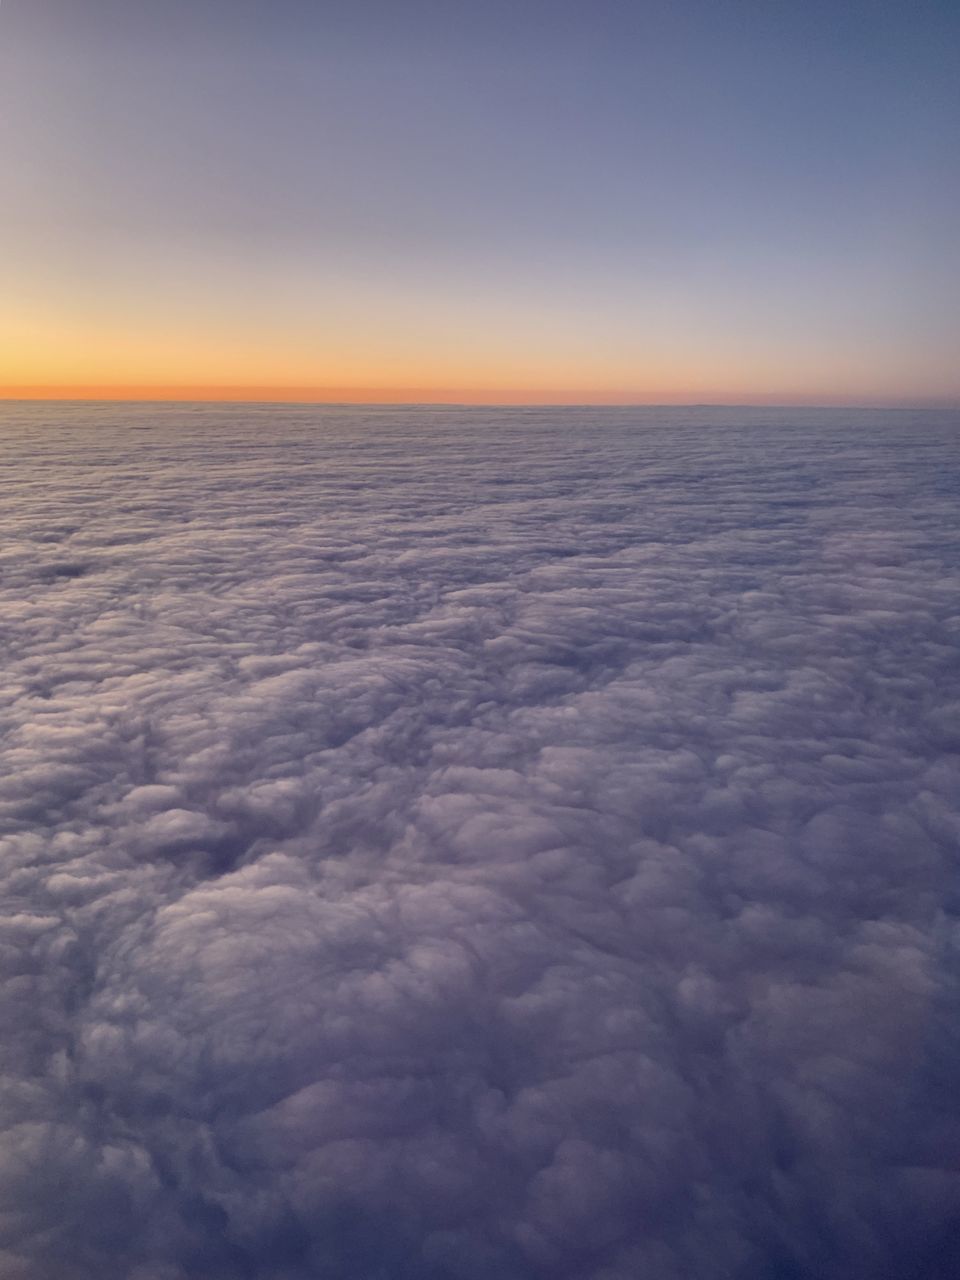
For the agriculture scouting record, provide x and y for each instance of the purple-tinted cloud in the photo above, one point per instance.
(457, 845)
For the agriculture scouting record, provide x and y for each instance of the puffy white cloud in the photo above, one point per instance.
(453, 844)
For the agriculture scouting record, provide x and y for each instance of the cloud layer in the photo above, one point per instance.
(446, 845)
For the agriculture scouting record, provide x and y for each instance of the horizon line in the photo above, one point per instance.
(444, 397)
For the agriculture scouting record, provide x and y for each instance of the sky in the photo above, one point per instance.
(446, 201)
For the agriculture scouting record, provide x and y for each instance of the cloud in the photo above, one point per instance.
(448, 845)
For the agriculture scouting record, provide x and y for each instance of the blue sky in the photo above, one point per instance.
(754, 199)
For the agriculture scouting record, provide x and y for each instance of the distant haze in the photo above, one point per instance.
(604, 202)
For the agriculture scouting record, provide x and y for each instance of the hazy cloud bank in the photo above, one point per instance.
(453, 845)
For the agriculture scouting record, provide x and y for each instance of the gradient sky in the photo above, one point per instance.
(377, 200)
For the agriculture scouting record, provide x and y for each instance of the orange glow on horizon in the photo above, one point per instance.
(332, 394)
(268, 394)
